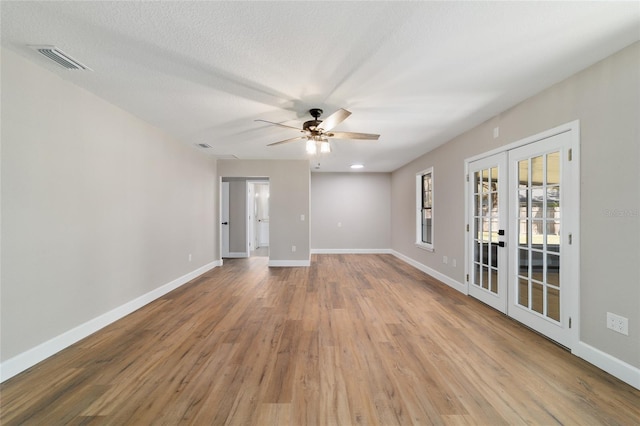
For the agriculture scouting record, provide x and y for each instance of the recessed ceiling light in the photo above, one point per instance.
(357, 166)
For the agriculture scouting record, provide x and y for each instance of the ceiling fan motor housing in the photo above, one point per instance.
(311, 125)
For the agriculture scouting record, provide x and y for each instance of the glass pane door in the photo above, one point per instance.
(522, 215)
(487, 230)
(542, 282)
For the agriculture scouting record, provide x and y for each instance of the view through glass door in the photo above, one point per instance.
(522, 216)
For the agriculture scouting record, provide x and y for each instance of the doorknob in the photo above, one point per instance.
(225, 223)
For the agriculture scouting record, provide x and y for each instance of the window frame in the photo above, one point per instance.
(419, 242)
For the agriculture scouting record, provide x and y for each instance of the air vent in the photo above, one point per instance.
(204, 145)
(60, 58)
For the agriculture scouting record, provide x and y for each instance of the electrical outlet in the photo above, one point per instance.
(453, 263)
(189, 257)
(617, 323)
(445, 259)
(293, 248)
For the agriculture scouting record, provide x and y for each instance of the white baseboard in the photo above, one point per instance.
(31, 357)
(612, 365)
(288, 263)
(435, 274)
(350, 251)
(238, 254)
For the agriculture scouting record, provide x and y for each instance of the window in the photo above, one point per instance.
(424, 202)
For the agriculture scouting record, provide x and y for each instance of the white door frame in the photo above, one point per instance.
(570, 225)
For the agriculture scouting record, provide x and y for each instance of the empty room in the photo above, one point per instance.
(319, 213)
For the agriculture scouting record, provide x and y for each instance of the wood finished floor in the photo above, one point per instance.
(353, 339)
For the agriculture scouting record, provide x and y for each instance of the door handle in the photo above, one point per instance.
(225, 223)
(500, 243)
(500, 231)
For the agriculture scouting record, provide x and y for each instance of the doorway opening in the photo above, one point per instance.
(244, 217)
(258, 203)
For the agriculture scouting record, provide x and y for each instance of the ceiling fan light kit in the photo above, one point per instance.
(311, 147)
(313, 142)
(317, 132)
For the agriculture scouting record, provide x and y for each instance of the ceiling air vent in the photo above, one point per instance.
(60, 58)
(204, 145)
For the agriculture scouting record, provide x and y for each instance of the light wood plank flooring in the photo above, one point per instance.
(353, 339)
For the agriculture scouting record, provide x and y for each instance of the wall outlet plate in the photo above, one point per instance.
(617, 323)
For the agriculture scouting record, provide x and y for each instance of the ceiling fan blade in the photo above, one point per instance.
(288, 140)
(352, 135)
(281, 125)
(334, 119)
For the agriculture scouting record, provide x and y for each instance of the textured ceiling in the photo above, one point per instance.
(418, 73)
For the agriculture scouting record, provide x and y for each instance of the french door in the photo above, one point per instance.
(487, 225)
(522, 216)
(542, 227)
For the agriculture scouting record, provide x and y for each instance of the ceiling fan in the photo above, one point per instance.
(317, 132)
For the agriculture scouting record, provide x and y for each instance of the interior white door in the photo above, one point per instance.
(542, 279)
(224, 219)
(262, 213)
(487, 219)
(252, 222)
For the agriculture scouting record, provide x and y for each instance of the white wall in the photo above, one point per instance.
(288, 202)
(606, 100)
(360, 203)
(98, 207)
